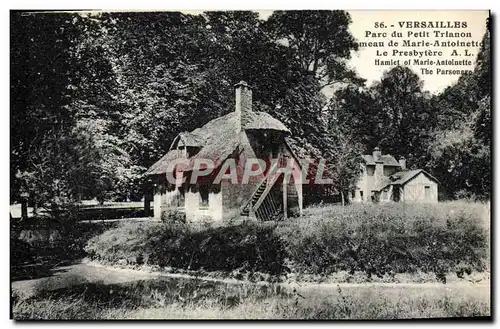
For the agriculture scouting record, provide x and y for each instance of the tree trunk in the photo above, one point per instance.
(35, 206)
(285, 199)
(343, 200)
(147, 206)
(24, 209)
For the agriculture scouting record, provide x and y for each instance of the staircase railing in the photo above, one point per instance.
(272, 177)
(269, 209)
(270, 173)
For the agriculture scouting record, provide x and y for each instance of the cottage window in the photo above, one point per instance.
(178, 199)
(203, 196)
(427, 192)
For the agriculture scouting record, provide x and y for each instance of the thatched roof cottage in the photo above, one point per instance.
(231, 143)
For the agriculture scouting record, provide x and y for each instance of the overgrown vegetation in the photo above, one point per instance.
(248, 247)
(396, 238)
(374, 239)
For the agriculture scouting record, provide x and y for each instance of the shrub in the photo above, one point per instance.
(173, 216)
(375, 239)
(380, 239)
(20, 251)
(249, 247)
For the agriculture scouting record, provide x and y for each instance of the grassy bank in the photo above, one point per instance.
(377, 240)
(201, 300)
(389, 239)
(244, 248)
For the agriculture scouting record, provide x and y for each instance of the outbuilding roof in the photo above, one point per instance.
(403, 177)
(386, 160)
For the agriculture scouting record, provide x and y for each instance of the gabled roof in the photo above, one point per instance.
(387, 160)
(403, 177)
(219, 138)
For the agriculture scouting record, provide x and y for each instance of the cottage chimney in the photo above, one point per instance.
(377, 153)
(402, 162)
(243, 100)
(379, 168)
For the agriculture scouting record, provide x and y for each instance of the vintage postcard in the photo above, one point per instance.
(285, 165)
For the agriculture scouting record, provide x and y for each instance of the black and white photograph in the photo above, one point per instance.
(250, 164)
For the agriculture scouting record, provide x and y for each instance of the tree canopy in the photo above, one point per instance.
(97, 98)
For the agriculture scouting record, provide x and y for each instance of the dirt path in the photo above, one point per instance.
(67, 276)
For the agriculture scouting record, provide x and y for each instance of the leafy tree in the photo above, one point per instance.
(345, 164)
(42, 71)
(320, 41)
(165, 87)
(461, 161)
(394, 114)
(406, 115)
(461, 148)
(60, 80)
(353, 109)
(65, 167)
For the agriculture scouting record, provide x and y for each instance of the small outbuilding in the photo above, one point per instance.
(383, 178)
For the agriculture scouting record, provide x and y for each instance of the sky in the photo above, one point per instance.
(363, 60)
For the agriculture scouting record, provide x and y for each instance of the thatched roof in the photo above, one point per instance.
(219, 138)
(188, 139)
(262, 120)
(161, 166)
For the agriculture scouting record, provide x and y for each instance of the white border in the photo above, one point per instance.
(192, 5)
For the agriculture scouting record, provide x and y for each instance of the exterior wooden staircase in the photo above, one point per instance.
(271, 208)
(255, 197)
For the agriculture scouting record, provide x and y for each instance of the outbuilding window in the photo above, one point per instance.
(427, 192)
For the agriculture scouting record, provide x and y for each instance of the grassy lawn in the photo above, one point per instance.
(175, 299)
(361, 303)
